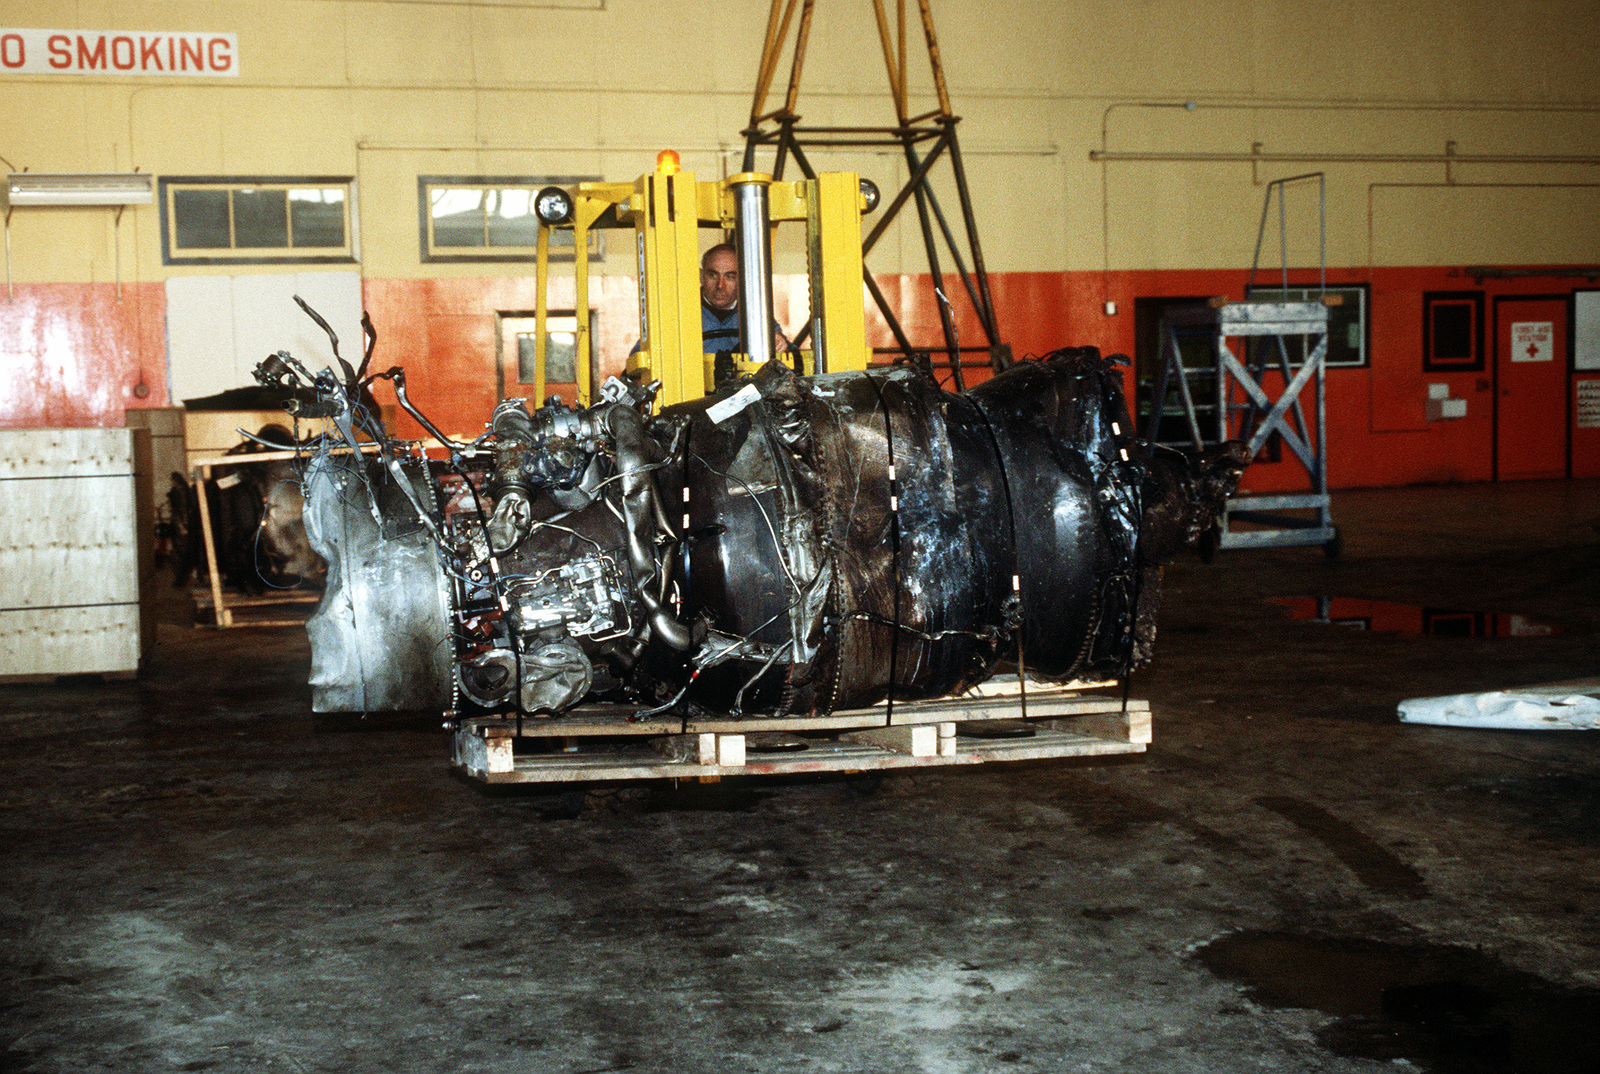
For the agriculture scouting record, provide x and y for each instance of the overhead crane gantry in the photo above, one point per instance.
(924, 139)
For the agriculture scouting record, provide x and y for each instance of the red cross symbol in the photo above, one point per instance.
(1533, 351)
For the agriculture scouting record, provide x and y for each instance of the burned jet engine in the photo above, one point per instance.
(787, 546)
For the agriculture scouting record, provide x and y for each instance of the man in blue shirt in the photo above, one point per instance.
(719, 302)
(719, 310)
(719, 299)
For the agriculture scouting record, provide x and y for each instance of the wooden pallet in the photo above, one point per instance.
(280, 609)
(596, 742)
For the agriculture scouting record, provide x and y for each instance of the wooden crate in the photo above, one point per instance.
(70, 542)
(209, 434)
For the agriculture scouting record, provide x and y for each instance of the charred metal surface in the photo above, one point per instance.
(789, 545)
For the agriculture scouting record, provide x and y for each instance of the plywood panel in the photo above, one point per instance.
(37, 453)
(266, 319)
(199, 335)
(166, 439)
(144, 507)
(68, 641)
(209, 433)
(68, 541)
(69, 551)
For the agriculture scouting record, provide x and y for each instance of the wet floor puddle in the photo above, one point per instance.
(1448, 1010)
(1388, 617)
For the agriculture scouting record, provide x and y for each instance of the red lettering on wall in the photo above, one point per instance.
(12, 51)
(91, 59)
(221, 56)
(117, 45)
(150, 53)
(60, 46)
(185, 54)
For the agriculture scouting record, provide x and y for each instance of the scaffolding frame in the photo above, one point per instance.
(1243, 407)
(924, 139)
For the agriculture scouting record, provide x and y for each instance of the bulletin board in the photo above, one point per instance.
(1586, 330)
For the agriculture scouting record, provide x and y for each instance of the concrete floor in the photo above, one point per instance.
(200, 875)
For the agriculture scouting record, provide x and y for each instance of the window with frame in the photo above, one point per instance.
(1452, 331)
(256, 220)
(490, 218)
(1347, 322)
(518, 366)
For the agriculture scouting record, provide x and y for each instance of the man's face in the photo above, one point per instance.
(719, 280)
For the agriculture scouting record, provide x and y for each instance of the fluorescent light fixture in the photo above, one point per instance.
(67, 188)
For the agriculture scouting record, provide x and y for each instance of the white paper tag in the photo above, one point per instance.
(721, 412)
(229, 481)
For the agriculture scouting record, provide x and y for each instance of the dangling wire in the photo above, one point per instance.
(1016, 555)
(894, 538)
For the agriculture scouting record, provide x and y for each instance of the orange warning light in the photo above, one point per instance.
(667, 162)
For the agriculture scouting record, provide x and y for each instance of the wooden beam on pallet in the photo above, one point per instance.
(921, 740)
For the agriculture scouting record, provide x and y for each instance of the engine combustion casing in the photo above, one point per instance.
(789, 546)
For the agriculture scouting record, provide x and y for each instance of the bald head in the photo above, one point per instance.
(719, 277)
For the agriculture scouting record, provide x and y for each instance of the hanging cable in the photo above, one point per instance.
(1016, 555)
(894, 539)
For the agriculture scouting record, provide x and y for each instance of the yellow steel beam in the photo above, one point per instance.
(933, 58)
(585, 211)
(541, 281)
(833, 255)
(800, 37)
(666, 214)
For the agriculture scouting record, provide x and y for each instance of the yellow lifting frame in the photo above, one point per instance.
(666, 208)
(590, 202)
(666, 220)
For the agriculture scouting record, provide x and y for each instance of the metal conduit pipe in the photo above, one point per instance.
(1373, 188)
(640, 507)
(1178, 156)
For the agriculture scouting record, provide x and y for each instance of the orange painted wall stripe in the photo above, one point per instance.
(72, 354)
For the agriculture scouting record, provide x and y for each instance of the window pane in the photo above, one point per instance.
(260, 219)
(316, 217)
(1346, 325)
(511, 219)
(482, 218)
(1452, 331)
(457, 217)
(560, 357)
(200, 219)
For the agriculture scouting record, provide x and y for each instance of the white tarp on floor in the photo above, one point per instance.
(1533, 709)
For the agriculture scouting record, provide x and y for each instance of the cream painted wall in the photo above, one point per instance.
(219, 328)
(383, 91)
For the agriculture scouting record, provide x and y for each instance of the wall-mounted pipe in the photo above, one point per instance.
(1322, 157)
(1104, 155)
